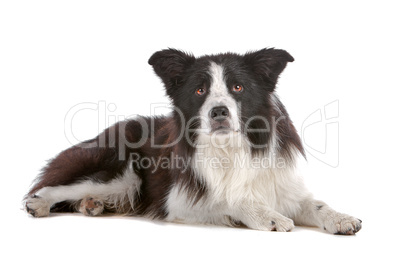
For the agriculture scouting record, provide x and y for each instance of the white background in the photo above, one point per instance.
(55, 55)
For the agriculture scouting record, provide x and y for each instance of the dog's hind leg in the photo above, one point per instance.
(99, 168)
(89, 197)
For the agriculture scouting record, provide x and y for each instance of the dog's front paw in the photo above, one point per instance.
(268, 221)
(342, 224)
(273, 222)
(37, 206)
(282, 224)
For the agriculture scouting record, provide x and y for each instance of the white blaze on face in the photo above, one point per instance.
(219, 95)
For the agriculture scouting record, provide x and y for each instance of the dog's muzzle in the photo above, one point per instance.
(219, 118)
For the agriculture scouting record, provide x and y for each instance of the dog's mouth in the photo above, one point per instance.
(222, 130)
(223, 127)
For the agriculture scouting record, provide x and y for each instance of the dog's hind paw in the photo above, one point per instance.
(91, 206)
(37, 206)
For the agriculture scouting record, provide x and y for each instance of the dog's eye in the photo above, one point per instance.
(200, 91)
(237, 88)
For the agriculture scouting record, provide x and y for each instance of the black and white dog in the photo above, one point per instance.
(225, 155)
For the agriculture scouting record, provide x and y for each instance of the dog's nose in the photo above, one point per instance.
(219, 113)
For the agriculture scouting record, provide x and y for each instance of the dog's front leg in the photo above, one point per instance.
(317, 213)
(259, 217)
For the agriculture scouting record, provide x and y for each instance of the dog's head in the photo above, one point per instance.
(225, 93)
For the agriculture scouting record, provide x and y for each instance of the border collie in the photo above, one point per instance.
(226, 155)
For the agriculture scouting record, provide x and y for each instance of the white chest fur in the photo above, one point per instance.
(232, 176)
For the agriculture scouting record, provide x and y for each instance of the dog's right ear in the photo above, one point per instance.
(170, 65)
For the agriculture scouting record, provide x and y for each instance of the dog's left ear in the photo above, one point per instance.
(268, 64)
(170, 65)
